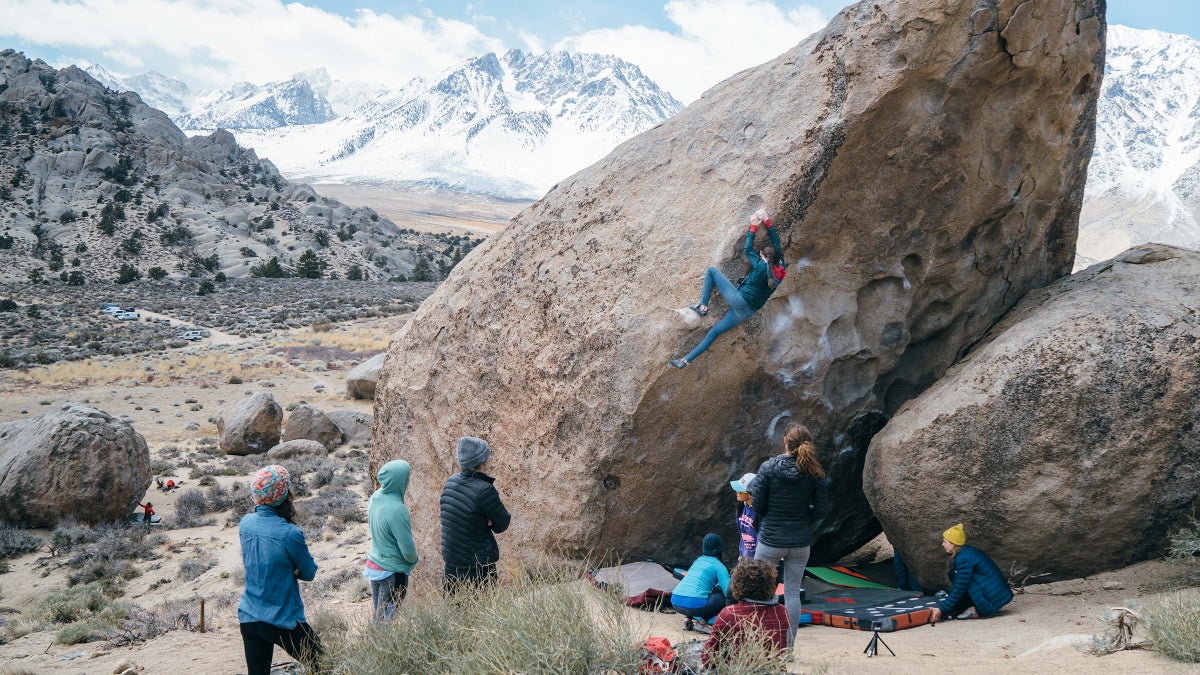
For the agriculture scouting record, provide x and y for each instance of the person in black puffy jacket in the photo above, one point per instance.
(790, 492)
(471, 515)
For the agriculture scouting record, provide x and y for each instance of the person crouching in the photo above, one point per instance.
(977, 586)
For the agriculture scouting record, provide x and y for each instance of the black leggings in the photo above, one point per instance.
(259, 639)
(716, 602)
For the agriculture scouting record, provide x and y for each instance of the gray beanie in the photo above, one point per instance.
(472, 452)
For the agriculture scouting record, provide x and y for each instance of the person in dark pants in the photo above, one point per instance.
(790, 494)
(766, 273)
(472, 515)
(977, 586)
(275, 555)
(701, 593)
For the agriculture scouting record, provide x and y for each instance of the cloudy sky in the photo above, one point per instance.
(684, 45)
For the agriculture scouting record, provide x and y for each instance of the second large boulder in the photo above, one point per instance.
(1069, 442)
(250, 426)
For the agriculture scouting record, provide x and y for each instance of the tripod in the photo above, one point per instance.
(873, 646)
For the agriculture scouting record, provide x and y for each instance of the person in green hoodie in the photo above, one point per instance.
(393, 552)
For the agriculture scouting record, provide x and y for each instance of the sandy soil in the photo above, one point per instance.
(1040, 632)
(428, 209)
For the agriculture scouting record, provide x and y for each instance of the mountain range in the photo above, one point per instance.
(1144, 177)
(97, 185)
(514, 125)
(510, 125)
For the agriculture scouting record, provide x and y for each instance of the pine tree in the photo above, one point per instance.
(309, 266)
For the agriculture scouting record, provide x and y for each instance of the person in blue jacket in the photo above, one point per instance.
(766, 273)
(275, 555)
(977, 586)
(701, 593)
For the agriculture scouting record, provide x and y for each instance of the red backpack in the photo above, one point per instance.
(657, 657)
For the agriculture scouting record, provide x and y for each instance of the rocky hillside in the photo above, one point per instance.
(95, 185)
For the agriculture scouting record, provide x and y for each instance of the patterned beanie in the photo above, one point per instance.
(270, 485)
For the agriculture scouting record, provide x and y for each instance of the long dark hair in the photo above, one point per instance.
(286, 509)
(798, 443)
(774, 258)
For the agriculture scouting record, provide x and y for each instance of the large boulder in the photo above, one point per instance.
(1067, 442)
(925, 163)
(311, 423)
(300, 447)
(355, 426)
(360, 381)
(250, 426)
(75, 462)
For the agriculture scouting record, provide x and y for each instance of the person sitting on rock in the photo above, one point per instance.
(701, 592)
(977, 586)
(757, 614)
(766, 273)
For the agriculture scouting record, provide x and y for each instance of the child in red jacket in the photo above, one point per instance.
(757, 612)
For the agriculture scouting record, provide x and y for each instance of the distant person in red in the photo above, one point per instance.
(757, 614)
(148, 514)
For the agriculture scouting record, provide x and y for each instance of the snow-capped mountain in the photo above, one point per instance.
(511, 125)
(342, 96)
(1144, 178)
(156, 90)
(249, 106)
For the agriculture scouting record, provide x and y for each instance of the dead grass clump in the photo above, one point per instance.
(517, 625)
(1173, 626)
(83, 614)
(193, 567)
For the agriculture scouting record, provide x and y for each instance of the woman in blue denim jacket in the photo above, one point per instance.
(275, 556)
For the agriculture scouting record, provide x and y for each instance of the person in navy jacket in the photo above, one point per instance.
(977, 586)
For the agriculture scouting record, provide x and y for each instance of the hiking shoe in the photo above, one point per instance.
(696, 308)
(678, 363)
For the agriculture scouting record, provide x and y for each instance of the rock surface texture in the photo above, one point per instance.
(1067, 442)
(300, 447)
(75, 462)
(924, 162)
(355, 426)
(311, 423)
(250, 426)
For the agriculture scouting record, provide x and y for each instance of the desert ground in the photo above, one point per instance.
(1042, 631)
(428, 208)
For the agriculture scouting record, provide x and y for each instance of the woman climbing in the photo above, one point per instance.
(767, 272)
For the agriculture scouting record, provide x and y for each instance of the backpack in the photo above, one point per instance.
(657, 657)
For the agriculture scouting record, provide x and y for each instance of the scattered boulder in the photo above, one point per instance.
(360, 382)
(924, 162)
(250, 426)
(300, 447)
(310, 422)
(1067, 441)
(355, 426)
(75, 462)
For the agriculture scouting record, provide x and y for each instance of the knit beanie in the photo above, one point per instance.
(472, 452)
(713, 545)
(270, 485)
(955, 535)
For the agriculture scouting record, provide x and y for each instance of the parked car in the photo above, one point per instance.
(128, 316)
(192, 335)
(111, 309)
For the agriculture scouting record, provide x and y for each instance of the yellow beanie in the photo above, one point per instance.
(955, 535)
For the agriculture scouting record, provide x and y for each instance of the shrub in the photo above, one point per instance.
(190, 508)
(128, 273)
(8, 305)
(68, 536)
(522, 624)
(270, 269)
(157, 273)
(192, 568)
(206, 288)
(14, 542)
(104, 561)
(1173, 625)
(83, 613)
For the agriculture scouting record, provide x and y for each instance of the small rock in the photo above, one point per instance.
(192, 426)
(1113, 586)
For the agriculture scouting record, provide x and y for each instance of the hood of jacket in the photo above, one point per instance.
(393, 478)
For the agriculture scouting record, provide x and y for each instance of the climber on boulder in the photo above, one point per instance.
(766, 273)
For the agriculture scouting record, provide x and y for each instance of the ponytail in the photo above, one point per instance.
(798, 443)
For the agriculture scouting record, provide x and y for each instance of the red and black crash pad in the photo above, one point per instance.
(639, 583)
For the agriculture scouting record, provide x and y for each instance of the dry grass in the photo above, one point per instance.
(156, 372)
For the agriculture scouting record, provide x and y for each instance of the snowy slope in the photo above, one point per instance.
(510, 125)
(1144, 178)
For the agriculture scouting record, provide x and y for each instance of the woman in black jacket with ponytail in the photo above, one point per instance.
(790, 492)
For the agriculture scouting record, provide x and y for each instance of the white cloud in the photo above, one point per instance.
(215, 42)
(715, 39)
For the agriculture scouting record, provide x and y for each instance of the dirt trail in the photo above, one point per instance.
(215, 336)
